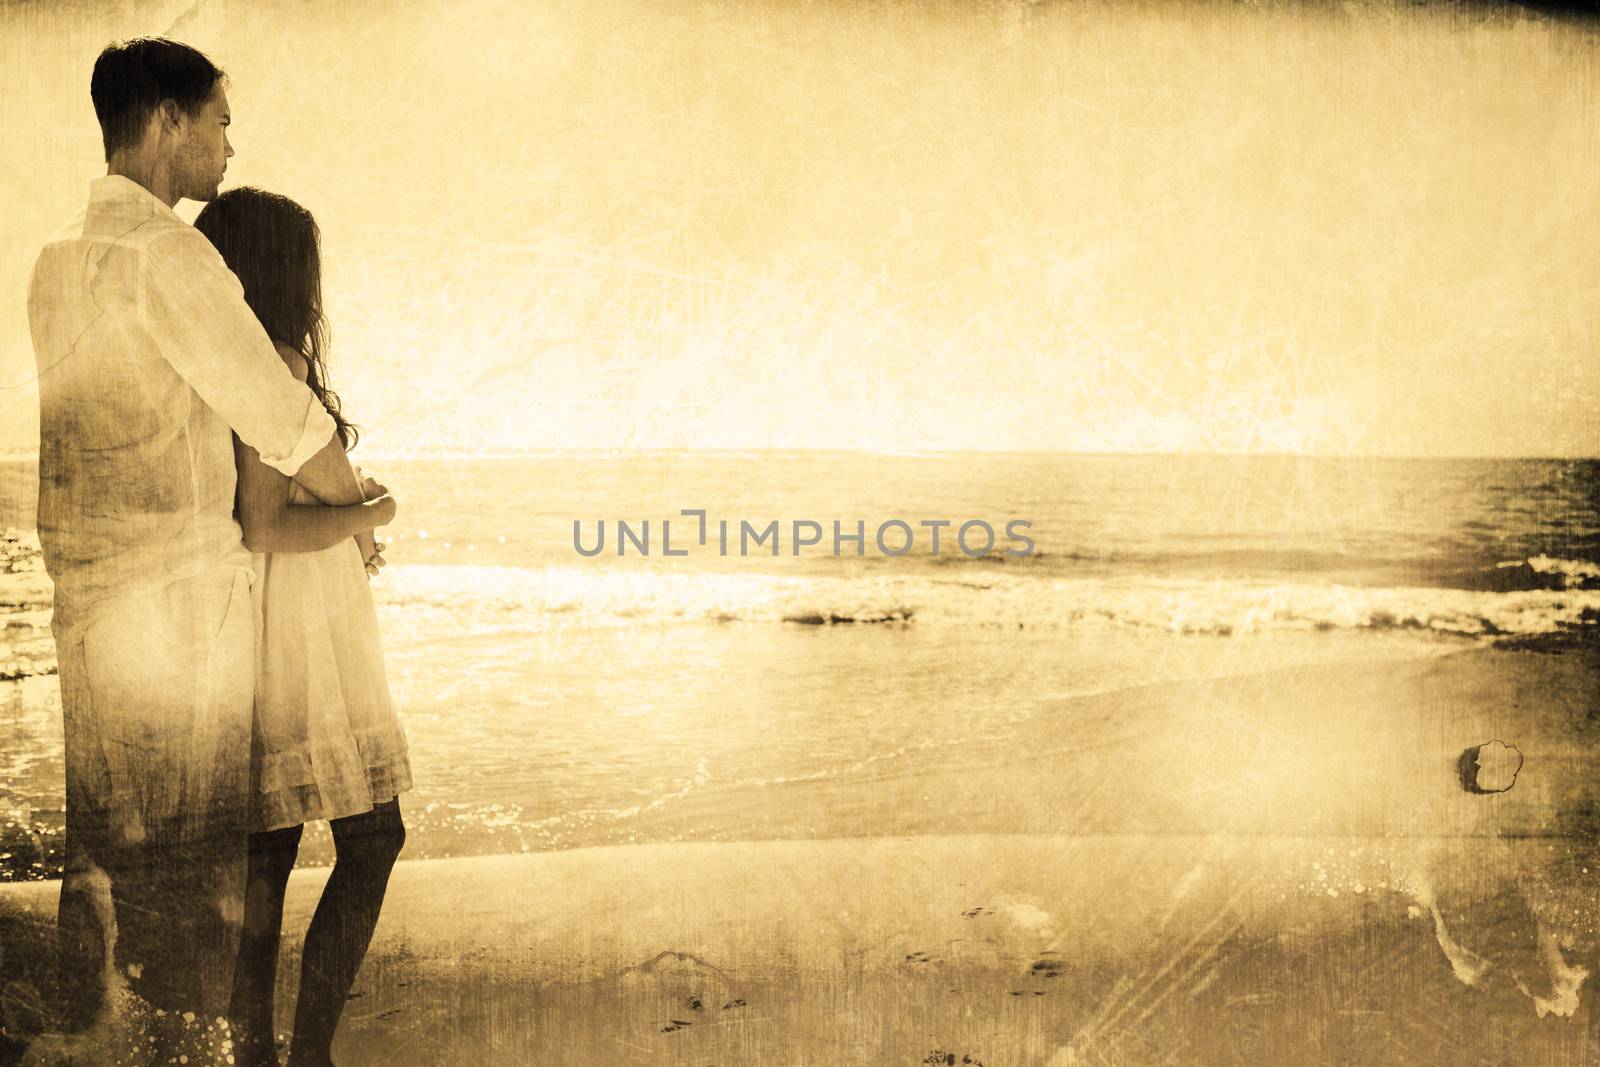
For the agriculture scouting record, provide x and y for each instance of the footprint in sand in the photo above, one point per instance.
(682, 982)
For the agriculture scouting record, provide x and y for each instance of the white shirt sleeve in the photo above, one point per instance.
(195, 310)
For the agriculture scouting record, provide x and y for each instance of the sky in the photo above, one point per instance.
(1359, 229)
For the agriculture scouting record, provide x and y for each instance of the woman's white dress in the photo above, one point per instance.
(327, 742)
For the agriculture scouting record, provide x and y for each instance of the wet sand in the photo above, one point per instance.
(1010, 950)
(1276, 868)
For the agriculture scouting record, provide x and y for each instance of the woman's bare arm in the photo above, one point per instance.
(272, 524)
(329, 477)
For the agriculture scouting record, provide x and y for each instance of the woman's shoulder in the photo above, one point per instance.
(295, 361)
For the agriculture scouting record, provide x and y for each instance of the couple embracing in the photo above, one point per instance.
(222, 681)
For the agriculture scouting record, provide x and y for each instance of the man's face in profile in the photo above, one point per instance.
(202, 158)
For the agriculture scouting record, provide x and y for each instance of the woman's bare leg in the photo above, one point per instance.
(271, 858)
(367, 846)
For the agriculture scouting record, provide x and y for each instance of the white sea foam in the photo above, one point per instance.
(486, 599)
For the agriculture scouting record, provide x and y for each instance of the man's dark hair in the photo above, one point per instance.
(131, 78)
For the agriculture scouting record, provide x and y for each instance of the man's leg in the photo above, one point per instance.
(85, 931)
(158, 749)
(86, 924)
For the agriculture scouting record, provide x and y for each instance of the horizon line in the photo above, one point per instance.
(15, 453)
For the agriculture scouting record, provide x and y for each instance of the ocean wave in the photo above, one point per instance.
(479, 599)
(1462, 570)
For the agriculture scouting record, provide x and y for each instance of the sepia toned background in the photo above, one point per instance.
(1276, 321)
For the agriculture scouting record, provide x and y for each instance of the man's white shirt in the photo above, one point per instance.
(149, 360)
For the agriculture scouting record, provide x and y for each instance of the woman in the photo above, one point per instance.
(327, 744)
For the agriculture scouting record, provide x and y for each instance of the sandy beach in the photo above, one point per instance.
(1272, 868)
(1010, 950)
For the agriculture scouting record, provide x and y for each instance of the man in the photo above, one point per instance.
(149, 360)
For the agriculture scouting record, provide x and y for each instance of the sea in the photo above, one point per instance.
(603, 648)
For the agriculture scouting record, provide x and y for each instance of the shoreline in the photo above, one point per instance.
(1356, 746)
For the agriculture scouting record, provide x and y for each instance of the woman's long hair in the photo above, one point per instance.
(273, 246)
